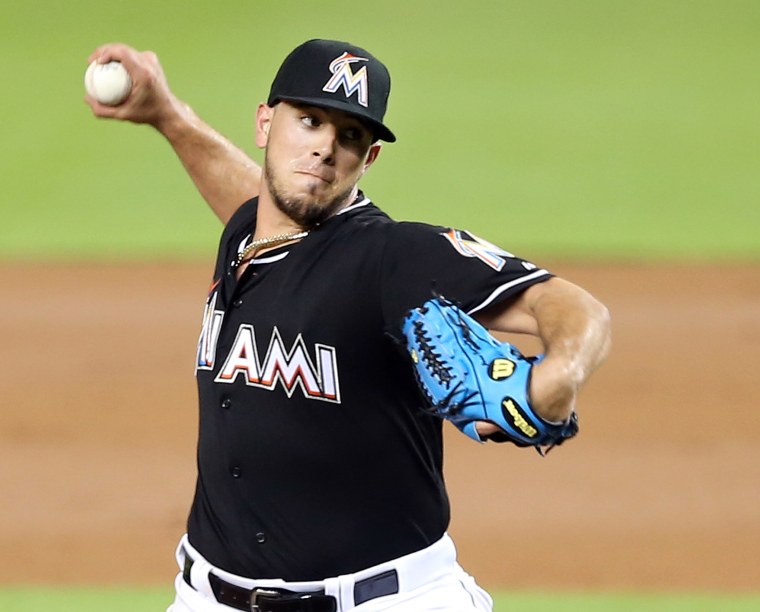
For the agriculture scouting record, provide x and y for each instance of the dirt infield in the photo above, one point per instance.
(660, 491)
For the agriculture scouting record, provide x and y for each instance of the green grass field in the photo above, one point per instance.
(151, 600)
(587, 128)
(581, 128)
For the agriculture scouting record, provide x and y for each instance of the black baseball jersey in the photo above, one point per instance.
(315, 458)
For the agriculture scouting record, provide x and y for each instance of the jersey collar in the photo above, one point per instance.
(361, 200)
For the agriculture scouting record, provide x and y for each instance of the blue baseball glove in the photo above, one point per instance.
(468, 376)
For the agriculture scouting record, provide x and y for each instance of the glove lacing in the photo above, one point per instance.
(430, 356)
(438, 368)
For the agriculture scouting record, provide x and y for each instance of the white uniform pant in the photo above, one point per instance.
(429, 579)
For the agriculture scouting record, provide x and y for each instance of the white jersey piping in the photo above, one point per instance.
(518, 281)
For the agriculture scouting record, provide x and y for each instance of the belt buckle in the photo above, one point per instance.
(256, 593)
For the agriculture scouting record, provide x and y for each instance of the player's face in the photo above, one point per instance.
(314, 158)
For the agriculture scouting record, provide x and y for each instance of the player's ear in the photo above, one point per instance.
(374, 151)
(264, 114)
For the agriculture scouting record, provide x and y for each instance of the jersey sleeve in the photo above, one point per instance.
(422, 260)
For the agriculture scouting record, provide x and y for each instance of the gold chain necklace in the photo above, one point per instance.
(250, 251)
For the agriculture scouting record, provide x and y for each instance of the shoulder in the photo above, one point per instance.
(396, 236)
(363, 222)
(414, 236)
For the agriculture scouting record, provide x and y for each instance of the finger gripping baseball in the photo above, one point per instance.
(468, 376)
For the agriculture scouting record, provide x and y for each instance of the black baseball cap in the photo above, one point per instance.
(339, 75)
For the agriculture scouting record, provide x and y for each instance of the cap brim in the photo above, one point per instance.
(380, 131)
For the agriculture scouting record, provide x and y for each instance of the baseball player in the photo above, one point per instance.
(323, 378)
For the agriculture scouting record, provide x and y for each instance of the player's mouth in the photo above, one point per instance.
(326, 177)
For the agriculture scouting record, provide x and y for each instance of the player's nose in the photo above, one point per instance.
(325, 143)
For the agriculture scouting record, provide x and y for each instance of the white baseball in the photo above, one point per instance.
(108, 83)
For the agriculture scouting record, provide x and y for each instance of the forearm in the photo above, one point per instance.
(575, 331)
(223, 174)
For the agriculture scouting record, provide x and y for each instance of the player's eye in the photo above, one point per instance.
(311, 120)
(353, 134)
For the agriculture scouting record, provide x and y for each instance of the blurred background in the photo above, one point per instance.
(571, 128)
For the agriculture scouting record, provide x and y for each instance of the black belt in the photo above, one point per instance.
(281, 600)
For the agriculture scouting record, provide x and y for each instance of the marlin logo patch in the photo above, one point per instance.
(469, 245)
(351, 82)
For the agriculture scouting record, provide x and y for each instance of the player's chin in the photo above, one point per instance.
(306, 209)
(318, 211)
(316, 197)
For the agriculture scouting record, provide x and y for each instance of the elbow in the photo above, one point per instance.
(597, 339)
(604, 319)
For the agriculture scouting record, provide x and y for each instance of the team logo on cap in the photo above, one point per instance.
(350, 81)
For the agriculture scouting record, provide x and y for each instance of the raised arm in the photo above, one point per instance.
(575, 331)
(225, 176)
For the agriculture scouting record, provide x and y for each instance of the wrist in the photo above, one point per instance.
(175, 121)
(553, 390)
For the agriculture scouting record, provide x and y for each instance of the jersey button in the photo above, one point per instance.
(226, 403)
(261, 537)
(236, 472)
(237, 303)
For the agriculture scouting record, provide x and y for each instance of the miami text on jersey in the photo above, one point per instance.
(317, 378)
(212, 325)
